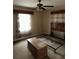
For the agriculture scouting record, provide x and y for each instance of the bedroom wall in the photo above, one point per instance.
(37, 23)
(14, 25)
(40, 23)
(47, 19)
(46, 22)
(36, 20)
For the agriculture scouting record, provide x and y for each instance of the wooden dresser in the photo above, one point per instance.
(37, 48)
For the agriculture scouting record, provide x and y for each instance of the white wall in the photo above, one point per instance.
(40, 22)
(36, 23)
(46, 22)
(47, 19)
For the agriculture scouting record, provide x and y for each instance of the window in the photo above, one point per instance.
(24, 22)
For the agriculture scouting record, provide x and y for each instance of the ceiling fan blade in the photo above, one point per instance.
(43, 8)
(48, 6)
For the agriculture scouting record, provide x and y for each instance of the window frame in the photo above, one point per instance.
(22, 33)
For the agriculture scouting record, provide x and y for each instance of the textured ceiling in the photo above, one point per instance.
(58, 4)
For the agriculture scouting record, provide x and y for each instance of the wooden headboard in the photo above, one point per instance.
(58, 27)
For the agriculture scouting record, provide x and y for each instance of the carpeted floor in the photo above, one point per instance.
(20, 50)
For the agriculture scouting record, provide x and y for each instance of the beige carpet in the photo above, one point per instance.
(20, 50)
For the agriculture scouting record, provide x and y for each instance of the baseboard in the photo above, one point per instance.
(46, 34)
(34, 35)
(23, 38)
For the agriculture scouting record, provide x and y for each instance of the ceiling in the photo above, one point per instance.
(58, 4)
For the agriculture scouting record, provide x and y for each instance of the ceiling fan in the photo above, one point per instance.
(41, 6)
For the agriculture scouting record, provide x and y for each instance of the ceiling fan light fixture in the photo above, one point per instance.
(39, 9)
